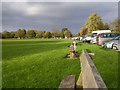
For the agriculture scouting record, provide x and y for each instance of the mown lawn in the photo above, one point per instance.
(41, 63)
(36, 63)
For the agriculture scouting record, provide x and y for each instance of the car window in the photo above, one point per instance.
(112, 35)
(117, 34)
(95, 34)
(108, 35)
(103, 35)
(117, 38)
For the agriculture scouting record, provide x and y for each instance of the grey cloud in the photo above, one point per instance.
(54, 15)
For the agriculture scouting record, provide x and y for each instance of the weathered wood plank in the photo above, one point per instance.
(79, 82)
(68, 82)
(90, 76)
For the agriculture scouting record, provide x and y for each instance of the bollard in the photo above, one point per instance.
(72, 51)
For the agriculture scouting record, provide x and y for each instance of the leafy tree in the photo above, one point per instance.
(62, 32)
(31, 33)
(83, 31)
(5, 34)
(115, 26)
(75, 35)
(47, 34)
(0, 35)
(106, 26)
(12, 34)
(94, 23)
(67, 33)
(21, 33)
(58, 34)
(55, 32)
(39, 34)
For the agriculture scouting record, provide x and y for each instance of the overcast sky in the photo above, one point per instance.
(49, 15)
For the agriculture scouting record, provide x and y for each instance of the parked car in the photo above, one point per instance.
(94, 34)
(101, 38)
(71, 37)
(116, 46)
(88, 38)
(81, 37)
(93, 40)
(76, 38)
(109, 44)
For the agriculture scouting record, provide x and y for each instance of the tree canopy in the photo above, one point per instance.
(115, 26)
(62, 32)
(20, 33)
(56, 33)
(12, 34)
(47, 34)
(5, 34)
(67, 33)
(83, 31)
(39, 34)
(94, 22)
(0, 35)
(31, 33)
(106, 26)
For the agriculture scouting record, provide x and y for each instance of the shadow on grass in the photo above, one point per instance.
(20, 50)
(80, 43)
(88, 50)
(76, 53)
(105, 49)
(28, 42)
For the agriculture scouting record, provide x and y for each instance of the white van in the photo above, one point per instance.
(92, 37)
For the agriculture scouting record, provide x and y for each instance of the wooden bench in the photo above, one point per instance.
(89, 76)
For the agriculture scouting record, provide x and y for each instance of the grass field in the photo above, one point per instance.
(37, 63)
(41, 63)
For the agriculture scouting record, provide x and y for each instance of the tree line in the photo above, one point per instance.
(22, 33)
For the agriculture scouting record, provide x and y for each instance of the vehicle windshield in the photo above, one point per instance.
(90, 35)
(117, 38)
(98, 36)
(94, 34)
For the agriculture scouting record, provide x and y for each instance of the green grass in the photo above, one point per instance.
(41, 63)
(36, 63)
